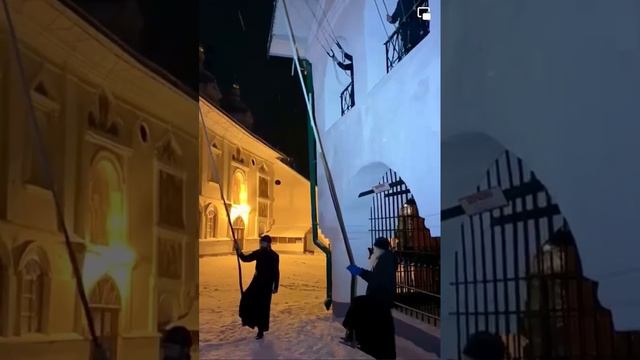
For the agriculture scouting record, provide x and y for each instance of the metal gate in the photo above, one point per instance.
(394, 215)
(518, 274)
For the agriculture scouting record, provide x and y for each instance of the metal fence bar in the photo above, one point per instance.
(466, 280)
(504, 255)
(516, 248)
(417, 288)
(494, 262)
(457, 290)
(475, 269)
(484, 270)
(527, 255)
(561, 317)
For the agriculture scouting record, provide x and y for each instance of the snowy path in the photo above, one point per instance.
(300, 326)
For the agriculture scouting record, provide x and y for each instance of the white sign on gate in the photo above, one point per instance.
(380, 188)
(483, 201)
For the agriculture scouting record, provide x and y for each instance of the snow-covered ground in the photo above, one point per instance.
(301, 328)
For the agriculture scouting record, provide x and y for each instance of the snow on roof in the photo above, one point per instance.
(289, 231)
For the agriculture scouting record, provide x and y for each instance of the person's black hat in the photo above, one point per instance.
(382, 243)
(484, 345)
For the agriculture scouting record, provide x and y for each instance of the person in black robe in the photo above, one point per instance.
(368, 321)
(412, 29)
(255, 303)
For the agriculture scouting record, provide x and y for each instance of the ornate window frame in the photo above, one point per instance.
(211, 222)
(34, 254)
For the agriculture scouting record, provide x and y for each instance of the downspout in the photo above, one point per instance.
(313, 181)
(323, 157)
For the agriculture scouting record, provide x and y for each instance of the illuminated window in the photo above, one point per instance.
(32, 289)
(106, 203)
(212, 223)
(239, 188)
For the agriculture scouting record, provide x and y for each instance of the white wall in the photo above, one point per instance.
(292, 200)
(556, 83)
(395, 125)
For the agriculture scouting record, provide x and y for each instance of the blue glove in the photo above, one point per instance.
(354, 270)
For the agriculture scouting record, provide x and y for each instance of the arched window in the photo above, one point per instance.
(239, 188)
(105, 303)
(106, 202)
(31, 296)
(211, 229)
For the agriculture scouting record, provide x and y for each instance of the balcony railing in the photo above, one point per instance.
(409, 32)
(347, 98)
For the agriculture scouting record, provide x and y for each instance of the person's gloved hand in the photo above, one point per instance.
(354, 270)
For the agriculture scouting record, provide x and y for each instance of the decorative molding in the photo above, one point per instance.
(168, 152)
(104, 121)
(239, 158)
(44, 102)
(27, 250)
(105, 292)
(95, 138)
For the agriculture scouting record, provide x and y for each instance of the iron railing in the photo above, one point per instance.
(409, 32)
(519, 275)
(347, 98)
(417, 252)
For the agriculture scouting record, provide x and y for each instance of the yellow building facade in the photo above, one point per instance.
(123, 146)
(262, 193)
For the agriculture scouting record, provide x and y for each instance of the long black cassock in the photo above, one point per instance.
(370, 315)
(255, 304)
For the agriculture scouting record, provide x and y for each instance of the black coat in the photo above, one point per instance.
(370, 315)
(255, 304)
(381, 279)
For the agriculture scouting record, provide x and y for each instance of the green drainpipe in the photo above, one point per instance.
(313, 181)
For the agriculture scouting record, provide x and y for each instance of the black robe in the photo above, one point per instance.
(370, 315)
(412, 29)
(255, 304)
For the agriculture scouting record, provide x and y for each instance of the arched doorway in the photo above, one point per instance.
(238, 230)
(394, 214)
(106, 201)
(518, 274)
(105, 304)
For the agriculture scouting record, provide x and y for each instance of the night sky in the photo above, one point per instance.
(168, 33)
(234, 54)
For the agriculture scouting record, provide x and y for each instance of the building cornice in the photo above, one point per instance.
(74, 43)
